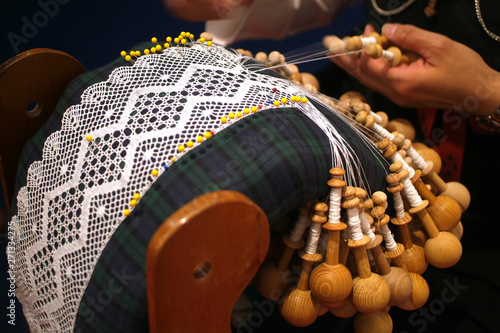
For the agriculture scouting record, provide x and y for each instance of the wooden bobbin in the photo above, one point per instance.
(357, 43)
(334, 44)
(453, 189)
(392, 56)
(370, 292)
(331, 281)
(402, 125)
(428, 154)
(273, 278)
(310, 82)
(442, 249)
(261, 57)
(445, 211)
(420, 293)
(207, 36)
(379, 322)
(345, 310)
(300, 307)
(412, 258)
(397, 278)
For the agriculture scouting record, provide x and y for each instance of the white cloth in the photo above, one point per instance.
(274, 19)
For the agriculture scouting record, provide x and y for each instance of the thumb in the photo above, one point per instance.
(411, 38)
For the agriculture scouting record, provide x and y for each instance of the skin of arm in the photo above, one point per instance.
(447, 74)
(202, 10)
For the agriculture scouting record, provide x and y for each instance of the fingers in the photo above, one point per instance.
(427, 44)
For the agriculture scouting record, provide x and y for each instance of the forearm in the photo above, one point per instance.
(202, 10)
(274, 19)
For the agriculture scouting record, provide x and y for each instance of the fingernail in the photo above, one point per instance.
(388, 29)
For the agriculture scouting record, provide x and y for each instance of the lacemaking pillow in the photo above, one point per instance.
(132, 142)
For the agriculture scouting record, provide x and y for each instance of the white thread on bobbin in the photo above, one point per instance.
(313, 238)
(365, 225)
(354, 223)
(390, 242)
(334, 210)
(416, 158)
(299, 228)
(399, 206)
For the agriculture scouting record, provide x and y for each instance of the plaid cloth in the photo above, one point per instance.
(278, 158)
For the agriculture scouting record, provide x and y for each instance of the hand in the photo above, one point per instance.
(447, 74)
(202, 10)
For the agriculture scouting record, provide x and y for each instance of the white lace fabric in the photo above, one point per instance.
(76, 195)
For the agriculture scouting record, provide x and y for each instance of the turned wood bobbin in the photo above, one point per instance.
(300, 307)
(397, 278)
(378, 322)
(445, 211)
(442, 249)
(453, 189)
(370, 292)
(412, 256)
(273, 278)
(331, 281)
(420, 293)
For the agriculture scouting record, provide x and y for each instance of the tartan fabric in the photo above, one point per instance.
(279, 159)
(278, 175)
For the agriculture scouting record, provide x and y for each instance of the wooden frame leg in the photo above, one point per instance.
(200, 261)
